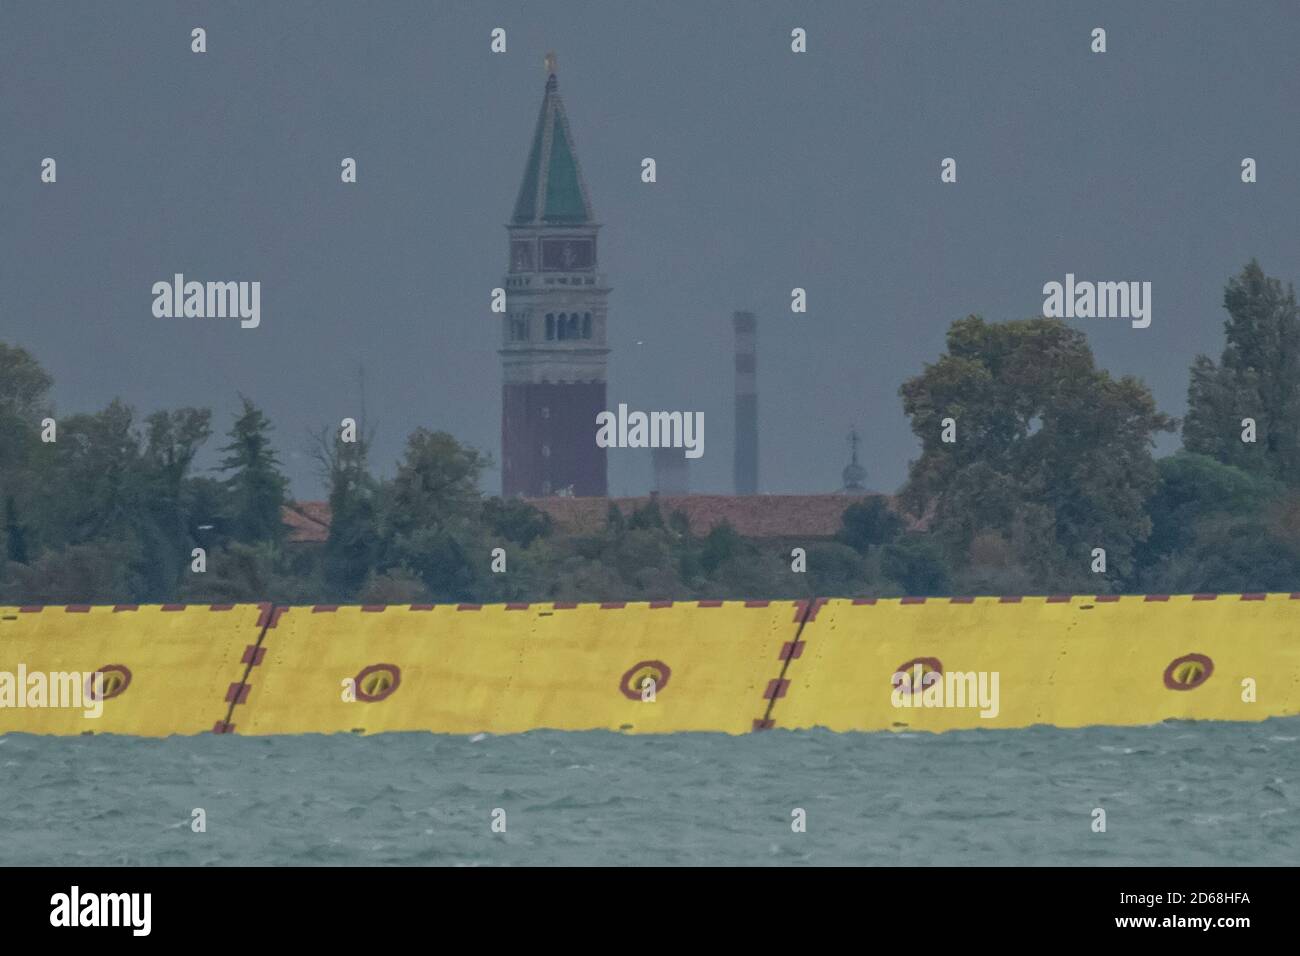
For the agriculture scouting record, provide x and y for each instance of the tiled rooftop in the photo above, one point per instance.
(753, 516)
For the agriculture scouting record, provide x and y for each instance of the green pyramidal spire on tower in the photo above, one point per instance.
(552, 191)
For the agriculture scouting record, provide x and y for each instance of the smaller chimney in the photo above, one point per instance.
(671, 469)
(746, 461)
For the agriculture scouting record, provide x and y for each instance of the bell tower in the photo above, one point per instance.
(553, 353)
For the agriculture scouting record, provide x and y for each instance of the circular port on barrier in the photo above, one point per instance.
(657, 671)
(117, 678)
(931, 671)
(377, 682)
(1188, 672)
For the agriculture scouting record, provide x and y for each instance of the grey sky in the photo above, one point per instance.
(775, 170)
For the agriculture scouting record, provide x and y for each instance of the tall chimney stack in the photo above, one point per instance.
(746, 466)
(671, 471)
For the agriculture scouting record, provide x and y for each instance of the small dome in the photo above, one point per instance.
(854, 477)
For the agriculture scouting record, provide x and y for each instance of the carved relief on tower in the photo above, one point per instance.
(522, 255)
(517, 329)
(568, 254)
(555, 368)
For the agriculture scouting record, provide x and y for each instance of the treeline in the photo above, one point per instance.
(1036, 475)
(1053, 459)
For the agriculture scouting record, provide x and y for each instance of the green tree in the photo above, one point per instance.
(90, 573)
(15, 533)
(644, 561)
(1050, 451)
(24, 401)
(24, 461)
(436, 486)
(723, 543)
(93, 489)
(431, 515)
(1230, 553)
(868, 523)
(515, 520)
(252, 572)
(647, 516)
(917, 563)
(166, 525)
(1257, 377)
(615, 523)
(1193, 488)
(834, 570)
(352, 548)
(255, 488)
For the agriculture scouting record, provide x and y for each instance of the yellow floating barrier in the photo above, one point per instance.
(659, 667)
(637, 667)
(162, 669)
(1065, 661)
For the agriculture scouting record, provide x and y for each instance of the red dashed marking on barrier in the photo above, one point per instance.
(125, 607)
(776, 689)
(1107, 598)
(805, 610)
(966, 599)
(1010, 599)
(1253, 597)
(270, 615)
(1295, 596)
(912, 600)
(802, 605)
(422, 607)
(77, 609)
(374, 608)
(655, 605)
(858, 602)
(1204, 597)
(323, 608)
(564, 606)
(174, 607)
(710, 604)
(469, 607)
(254, 654)
(517, 607)
(613, 605)
(758, 603)
(1059, 599)
(221, 607)
(1156, 597)
(30, 609)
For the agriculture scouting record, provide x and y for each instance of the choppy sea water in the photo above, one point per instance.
(1175, 793)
